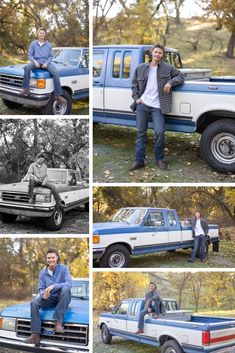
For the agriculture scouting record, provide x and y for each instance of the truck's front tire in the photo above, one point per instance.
(56, 220)
(11, 105)
(217, 145)
(54, 107)
(106, 336)
(171, 346)
(7, 218)
(116, 256)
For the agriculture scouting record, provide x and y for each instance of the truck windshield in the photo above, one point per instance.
(80, 290)
(67, 56)
(129, 215)
(54, 176)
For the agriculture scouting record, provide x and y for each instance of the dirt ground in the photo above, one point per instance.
(76, 222)
(113, 149)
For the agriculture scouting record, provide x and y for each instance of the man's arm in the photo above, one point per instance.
(206, 227)
(176, 77)
(45, 179)
(49, 60)
(135, 86)
(41, 283)
(31, 54)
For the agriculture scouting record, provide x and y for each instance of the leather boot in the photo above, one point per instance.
(58, 327)
(33, 339)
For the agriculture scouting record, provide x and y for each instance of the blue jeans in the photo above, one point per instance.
(51, 68)
(60, 303)
(51, 186)
(199, 240)
(142, 114)
(155, 309)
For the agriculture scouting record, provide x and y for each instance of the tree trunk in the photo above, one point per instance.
(231, 46)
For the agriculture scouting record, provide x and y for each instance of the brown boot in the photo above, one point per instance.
(33, 339)
(25, 91)
(139, 331)
(58, 327)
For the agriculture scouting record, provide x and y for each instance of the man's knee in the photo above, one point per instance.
(36, 302)
(65, 291)
(28, 68)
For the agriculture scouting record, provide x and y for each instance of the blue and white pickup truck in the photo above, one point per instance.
(177, 331)
(202, 104)
(14, 199)
(143, 230)
(15, 325)
(72, 66)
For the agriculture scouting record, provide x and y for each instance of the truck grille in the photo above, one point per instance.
(10, 80)
(15, 196)
(74, 333)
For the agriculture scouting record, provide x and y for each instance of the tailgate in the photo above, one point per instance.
(219, 335)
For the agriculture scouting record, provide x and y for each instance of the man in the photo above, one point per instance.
(40, 55)
(152, 304)
(38, 177)
(53, 291)
(151, 91)
(200, 230)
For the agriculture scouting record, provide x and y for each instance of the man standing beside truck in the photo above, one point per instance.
(152, 304)
(151, 91)
(54, 290)
(40, 55)
(200, 230)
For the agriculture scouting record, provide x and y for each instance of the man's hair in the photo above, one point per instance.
(198, 212)
(42, 29)
(158, 46)
(51, 250)
(153, 284)
(40, 155)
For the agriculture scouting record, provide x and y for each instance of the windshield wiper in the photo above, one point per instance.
(80, 297)
(59, 62)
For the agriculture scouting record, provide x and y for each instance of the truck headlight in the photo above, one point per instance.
(96, 239)
(33, 82)
(40, 198)
(8, 324)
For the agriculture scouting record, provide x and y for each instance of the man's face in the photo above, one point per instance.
(157, 54)
(41, 35)
(52, 259)
(197, 215)
(40, 160)
(152, 287)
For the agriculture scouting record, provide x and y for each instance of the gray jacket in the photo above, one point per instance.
(166, 73)
(204, 225)
(154, 296)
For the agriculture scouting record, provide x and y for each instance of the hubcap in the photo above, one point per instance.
(58, 217)
(170, 350)
(59, 108)
(117, 259)
(223, 148)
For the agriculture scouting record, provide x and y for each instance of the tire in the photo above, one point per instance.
(58, 108)
(87, 207)
(173, 250)
(171, 346)
(116, 256)
(11, 105)
(106, 336)
(199, 251)
(7, 218)
(56, 220)
(217, 145)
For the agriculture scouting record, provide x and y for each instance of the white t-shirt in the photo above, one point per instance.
(198, 228)
(150, 96)
(50, 272)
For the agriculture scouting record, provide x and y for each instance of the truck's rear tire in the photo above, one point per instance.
(11, 105)
(7, 218)
(217, 145)
(56, 220)
(58, 108)
(199, 250)
(116, 256)
(171, 346)
(106, 336)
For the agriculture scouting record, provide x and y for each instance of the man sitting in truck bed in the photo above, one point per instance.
(40, 55)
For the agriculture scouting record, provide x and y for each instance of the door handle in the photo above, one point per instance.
(98, 83)
(213, 88)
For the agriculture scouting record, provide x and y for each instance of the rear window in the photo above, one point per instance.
(98, 61)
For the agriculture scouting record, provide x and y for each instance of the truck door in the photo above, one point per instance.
(99, 71)
(133, 315)
(155, 230)
(175, 234)
(119, 318)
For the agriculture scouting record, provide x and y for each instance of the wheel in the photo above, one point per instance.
(173, 250)
(115, 256)
(171, 346)
(87, 207)
(10, 104)
(7, 218)
(58, 108)
(106, 336)
(199, 251)
(56, 220)
(217, 145)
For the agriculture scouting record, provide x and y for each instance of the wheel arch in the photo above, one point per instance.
(207, 118)
(126, 245)
(68, 89)
(165, 337)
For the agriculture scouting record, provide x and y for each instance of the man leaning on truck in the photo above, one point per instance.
(54, 290)
(151, 91)
(40, 55)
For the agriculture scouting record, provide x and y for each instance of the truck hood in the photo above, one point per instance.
(78, 312)
(63, 70)
(23, 188)
(104, 228)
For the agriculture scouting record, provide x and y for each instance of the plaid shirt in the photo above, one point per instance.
(166, 73)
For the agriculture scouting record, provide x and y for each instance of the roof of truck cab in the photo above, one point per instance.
(148, 208)
(131, 46)
(70, 48)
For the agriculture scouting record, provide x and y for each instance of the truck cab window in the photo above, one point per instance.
(171, 219)
(122, 309)
(117, 64)
(98, 61)
(126, 64)
(155, 219)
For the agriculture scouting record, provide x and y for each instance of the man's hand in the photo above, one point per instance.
(149, 310)
(139, 101)
(167, 88)
(44, 66)
(36, 64)
(47, 291)
(44, 182)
